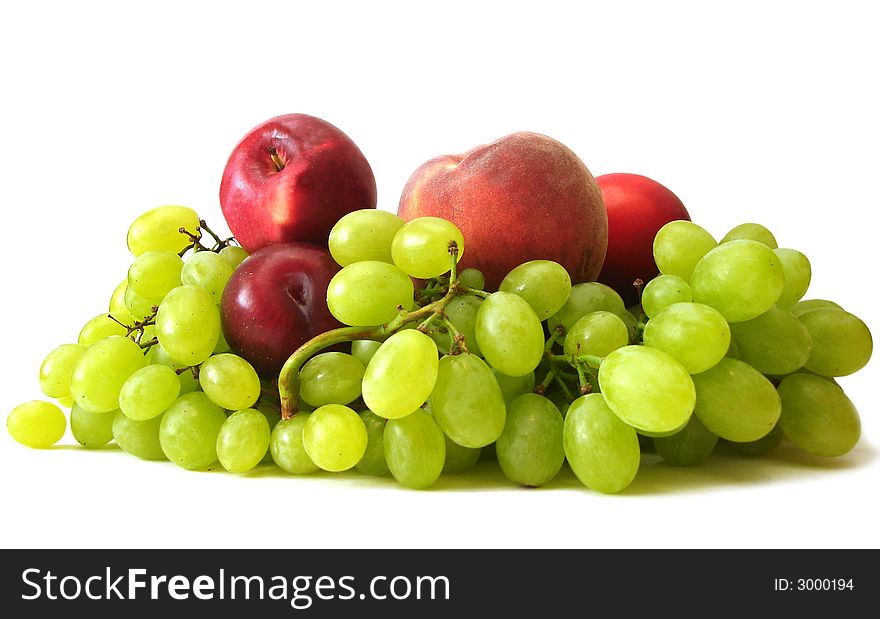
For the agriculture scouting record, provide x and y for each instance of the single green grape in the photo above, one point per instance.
(401, 375)
(751, 232)
(364, 235)
(57, 368)
(460, 459)
(462, 313)
(67, 401)
(159, 229)
(774, 343)
(104, 325)
(420, 248)
(695, 335)
(802, 307)
(415, 449)
(155, 273)
(817, 416)
(763, 445)
(91, 430)
(584, 299)
(472, 278)
(101, 371)
(138, 307)
(514, 386)
(207, 270)
(373, 461)
(736, 402)
(117, 299)
(543, 284)
(842, 343)
(601, 449)
(149, 392)
(139, 438)
(679, 246)
(741, 279)
(663, 291)
(631, 318)
(690, 446)
(286, 446)
(368, 293)
(509, 334)
(189, 429)
(188, 325)
(222, 345)
(598, 333)
(188, 381)
(243, 440)
(363, 350)
(334, 437)
(331, 378)
(36, 424)
(530, 449)
(234, 255)
(647, 389)
(798, 273)
(467, 402)
(230, 381)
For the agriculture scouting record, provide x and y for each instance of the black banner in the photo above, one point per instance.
(407, 583)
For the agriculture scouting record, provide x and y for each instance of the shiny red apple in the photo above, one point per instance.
(275, 301)
(290, 179)
(637, 208)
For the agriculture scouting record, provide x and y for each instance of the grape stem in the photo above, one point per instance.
(288, 379)
(541, 388)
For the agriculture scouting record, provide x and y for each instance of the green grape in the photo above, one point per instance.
(368, 293)
(733, 351)
(401, 375)
(234, 255)
(364, 235)
(286, 446)
(101, 371)
(842, 343)
(514, 386)
(773, 343)
(36, 424)
(117, 299)
(751, 232)
(585, 299)
(91, 430)
(598, 333)
(57, 368)
(631, 321)
(188, 325)
(373, 461)
(462, 313)
(544, 284)
(695, 335)
(460, 459)
(188, 381)
(222, 345)
(817, 416)
(139, 438)
(509, 334)
(798, 273)
(335, 438)
(690, 446)
(802, 307)
(601, 449)
(741, 279)
(271, 413)
(154, 274)
(530, 448)
(763, 445)
(363, 350)
(159, 229)
(421, 247)
(67, 401)
(207, 270)
(736, 402)
(243, 440)
(472, 278)
(104, 325)
(189, 430)
(679, 246)
(331, 378)
(663, 291)
(467, 402)
(230, 381)
(149, 392)
(138, 307)
(415, 449)
(647, 389)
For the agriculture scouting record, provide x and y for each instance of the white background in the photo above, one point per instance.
(763, 111)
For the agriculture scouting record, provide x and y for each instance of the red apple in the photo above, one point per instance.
(637, 208)
(520, 198)
(291, 179)
(275, 301)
